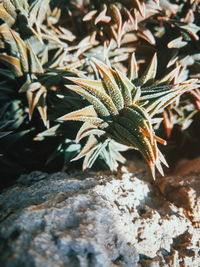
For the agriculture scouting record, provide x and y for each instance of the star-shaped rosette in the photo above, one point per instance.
(122, 110)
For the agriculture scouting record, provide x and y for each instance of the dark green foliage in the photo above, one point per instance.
(44, 41)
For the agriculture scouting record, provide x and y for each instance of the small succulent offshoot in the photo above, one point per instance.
(122, 109)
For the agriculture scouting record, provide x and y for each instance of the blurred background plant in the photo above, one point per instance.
(44, 41)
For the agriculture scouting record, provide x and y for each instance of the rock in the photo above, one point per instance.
(183, 189)
(97, 220)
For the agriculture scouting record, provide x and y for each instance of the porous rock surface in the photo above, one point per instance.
(100, 220)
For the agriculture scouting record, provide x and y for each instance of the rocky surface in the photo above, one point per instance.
(100, 220)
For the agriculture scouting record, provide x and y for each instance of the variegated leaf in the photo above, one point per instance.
(85, 114)
(150, 72)
(110, 83)
(91, 144)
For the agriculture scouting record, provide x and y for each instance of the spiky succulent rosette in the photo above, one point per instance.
(123, 111)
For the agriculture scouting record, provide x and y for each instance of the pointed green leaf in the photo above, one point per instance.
(161, 102)
(89, 146)
(33, 97)
(22, 51)
(150, 72)
(126, 88)
(85, 114)
(133, 70)
(93, 155)
(135, 138)
(35, 65)
(86, 129)
(170, 76)
(100, 108)
(97, 92)
(90, 85)
(110, 83)
(12, 62)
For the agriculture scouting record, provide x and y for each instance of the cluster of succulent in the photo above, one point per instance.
(121, 67)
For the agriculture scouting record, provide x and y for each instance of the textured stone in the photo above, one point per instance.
(183, 189)
(98, 220)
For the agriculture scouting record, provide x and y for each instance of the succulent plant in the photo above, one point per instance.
(26, 50)
(123, 111)
(44, 41)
